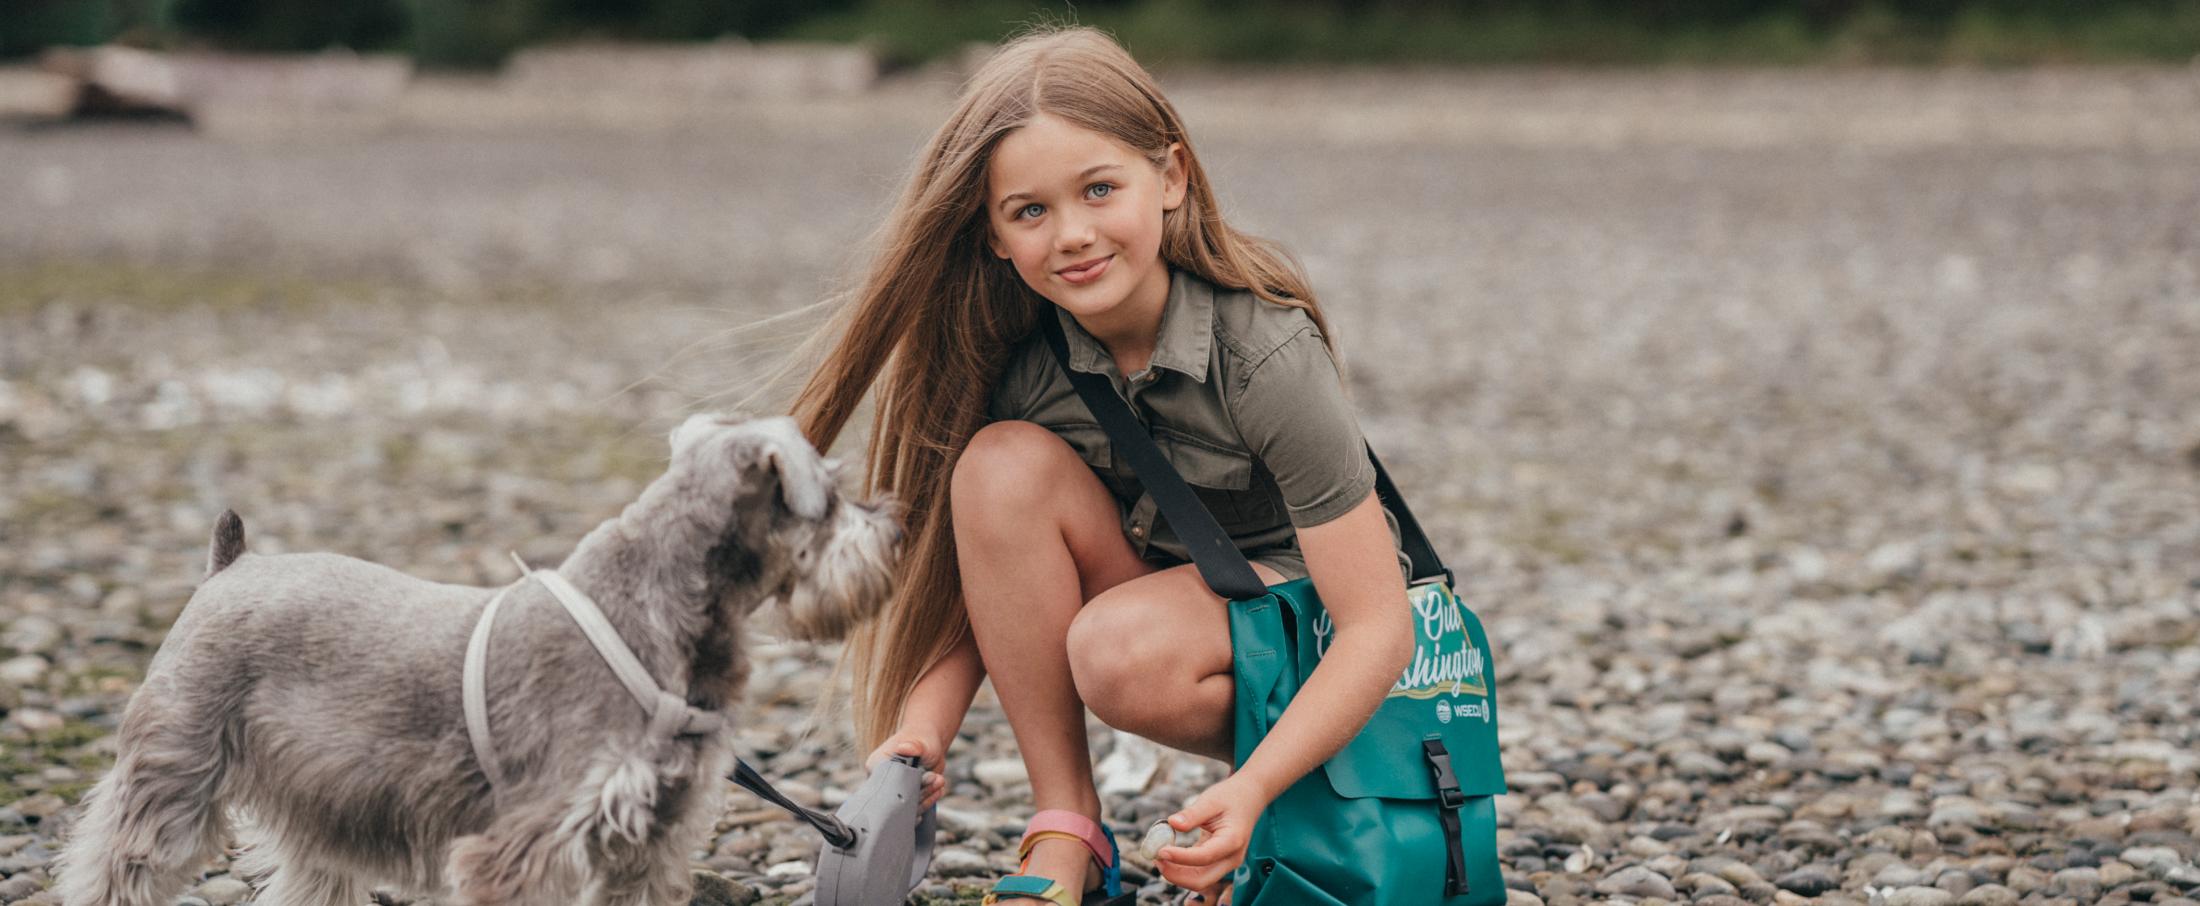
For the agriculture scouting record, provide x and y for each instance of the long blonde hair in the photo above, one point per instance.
(937, 313)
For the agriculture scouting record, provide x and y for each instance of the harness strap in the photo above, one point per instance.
(669, 710)
(474, 689)
(669, 713)
(1449, 799)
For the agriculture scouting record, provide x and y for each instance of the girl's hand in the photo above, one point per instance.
(1228, 811)
(932, 753)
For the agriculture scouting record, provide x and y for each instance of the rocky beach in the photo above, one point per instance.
(1820, 449)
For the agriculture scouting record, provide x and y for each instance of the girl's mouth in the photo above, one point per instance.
(1088, 273)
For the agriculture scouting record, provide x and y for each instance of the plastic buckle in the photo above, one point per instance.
(1447, 783)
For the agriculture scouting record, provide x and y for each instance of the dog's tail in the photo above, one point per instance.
(228, 542)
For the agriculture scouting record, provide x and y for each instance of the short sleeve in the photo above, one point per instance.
(1011, 397)
(1291, 412)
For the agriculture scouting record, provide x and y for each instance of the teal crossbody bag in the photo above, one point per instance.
(1404, 814)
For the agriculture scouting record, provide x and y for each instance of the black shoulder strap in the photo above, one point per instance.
(1224, 567)
(1221, 564)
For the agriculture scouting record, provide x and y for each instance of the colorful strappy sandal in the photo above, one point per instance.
(1069, 826)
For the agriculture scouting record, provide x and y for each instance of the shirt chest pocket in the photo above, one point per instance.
(1222, 478)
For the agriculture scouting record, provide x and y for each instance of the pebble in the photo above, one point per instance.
(2155, 860)
(1002, 773)
(23, 670)
(1919, 896)
(956, 862)
(1809, 882)
(2080, 883)
(1900, 875)
(1988, 895)
(36, 721)
(19, 887)
(1636, 881)
(1766, 753)
(1699, 885)
(714, 889)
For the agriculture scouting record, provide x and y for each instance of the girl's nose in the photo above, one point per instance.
(1072, 233)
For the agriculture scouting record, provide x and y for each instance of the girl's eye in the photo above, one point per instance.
(1031, 209)
(1102, 189)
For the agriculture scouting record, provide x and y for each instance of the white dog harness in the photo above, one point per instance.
(669, 713)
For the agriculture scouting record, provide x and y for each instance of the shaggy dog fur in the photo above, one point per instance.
(320, 695)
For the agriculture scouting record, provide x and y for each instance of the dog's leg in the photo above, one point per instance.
(527, 856)
(286, 877)
(656, 876)
(295, 884)
(146, 827)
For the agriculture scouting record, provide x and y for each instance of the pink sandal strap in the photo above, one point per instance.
(1058, 822)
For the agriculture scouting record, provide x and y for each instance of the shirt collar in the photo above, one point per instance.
(1187, 331)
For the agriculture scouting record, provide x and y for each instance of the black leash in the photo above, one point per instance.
(836, 832)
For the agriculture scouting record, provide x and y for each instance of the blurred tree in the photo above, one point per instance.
(483, 32)
(27, 25)
(291, 25)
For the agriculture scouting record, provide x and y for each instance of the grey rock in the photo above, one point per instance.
(32, 634)
(1899, 875)
(714, 889)
(1988, 895)
(1700, 884)
(1808, 882)
(1919, 896)
(2080, 883)
(2155, 860)
(1636, 881)
(19, 887)
(954, 862)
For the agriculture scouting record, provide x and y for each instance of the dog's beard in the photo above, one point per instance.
(849, 583)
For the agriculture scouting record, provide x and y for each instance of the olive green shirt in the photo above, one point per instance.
(1243, 398)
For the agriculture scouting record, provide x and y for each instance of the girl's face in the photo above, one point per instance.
(1079, 215)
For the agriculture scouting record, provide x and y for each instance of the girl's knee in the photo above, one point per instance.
(1009, 463)
(1116, 663)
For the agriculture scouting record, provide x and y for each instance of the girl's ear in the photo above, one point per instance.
(1173, 177)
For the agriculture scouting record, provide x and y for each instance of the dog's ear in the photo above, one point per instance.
(778, 457)
(802, 481)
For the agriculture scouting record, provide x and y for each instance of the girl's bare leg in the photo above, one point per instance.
(1152, 656)
(1037, 536)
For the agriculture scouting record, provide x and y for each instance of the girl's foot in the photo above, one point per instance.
(1067, 860)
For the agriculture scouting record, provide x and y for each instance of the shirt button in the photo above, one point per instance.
(1139, 532)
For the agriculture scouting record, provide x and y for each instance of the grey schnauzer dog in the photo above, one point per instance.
(320, 696)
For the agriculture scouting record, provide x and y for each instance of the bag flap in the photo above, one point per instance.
(1448, 691)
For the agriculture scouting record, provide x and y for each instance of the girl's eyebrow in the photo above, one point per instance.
(1088, 172)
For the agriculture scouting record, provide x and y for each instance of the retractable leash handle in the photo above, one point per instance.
(892, 850)
(878, 845)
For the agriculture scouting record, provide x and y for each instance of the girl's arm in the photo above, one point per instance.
(1354, 566)
(942, 696)
(1355, 569)
(934, 714)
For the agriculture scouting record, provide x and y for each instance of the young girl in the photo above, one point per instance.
(1064, 186)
